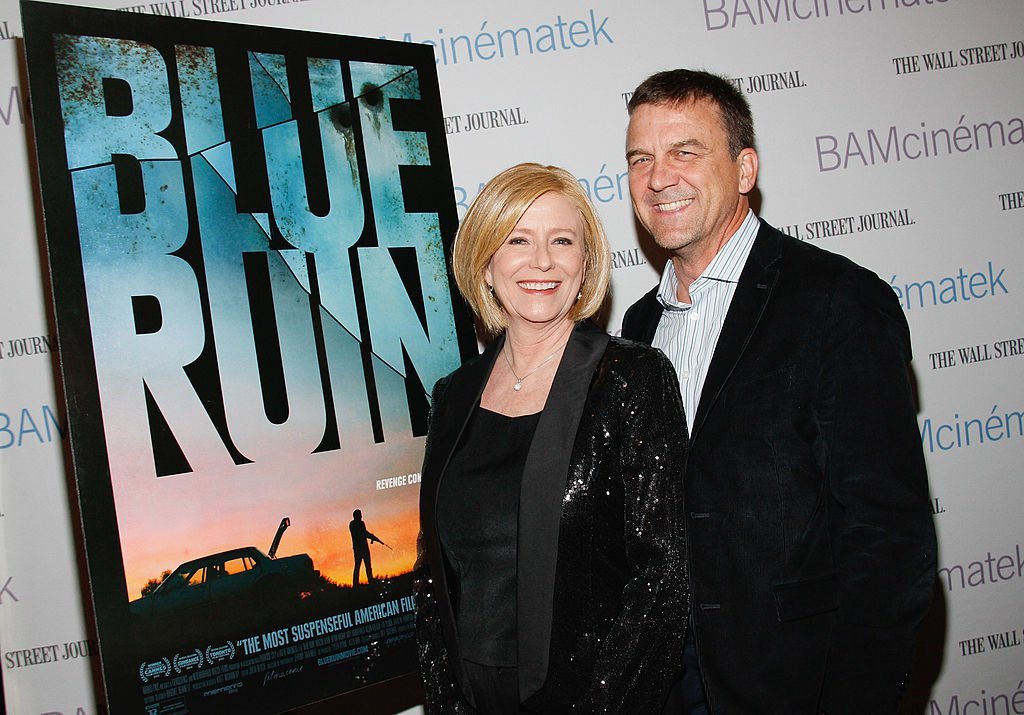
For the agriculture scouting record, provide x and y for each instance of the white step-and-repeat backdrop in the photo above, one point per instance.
(891, 131)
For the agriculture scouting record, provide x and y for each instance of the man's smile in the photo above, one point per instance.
(671, 206)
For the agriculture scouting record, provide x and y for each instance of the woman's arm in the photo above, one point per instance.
(641, 655)
(442, 693)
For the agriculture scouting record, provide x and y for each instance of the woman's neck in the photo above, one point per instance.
(530, 344)
(522, 375)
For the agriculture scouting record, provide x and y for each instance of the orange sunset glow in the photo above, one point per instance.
(168, 521)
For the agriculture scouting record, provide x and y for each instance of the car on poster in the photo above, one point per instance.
(243, 576)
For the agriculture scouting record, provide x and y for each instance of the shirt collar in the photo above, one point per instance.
(726, 266)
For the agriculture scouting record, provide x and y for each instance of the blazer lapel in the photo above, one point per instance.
(752, 292)
(540, 501)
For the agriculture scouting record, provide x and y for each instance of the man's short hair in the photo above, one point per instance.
(682, 86)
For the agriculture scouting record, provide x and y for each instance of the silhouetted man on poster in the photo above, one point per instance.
(361, 539)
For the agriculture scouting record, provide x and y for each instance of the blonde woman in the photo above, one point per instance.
(551, 571)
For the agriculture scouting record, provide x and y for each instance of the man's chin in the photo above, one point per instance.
(672, 241)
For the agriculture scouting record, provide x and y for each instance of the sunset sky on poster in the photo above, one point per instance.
(167, 521)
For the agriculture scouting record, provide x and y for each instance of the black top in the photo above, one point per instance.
(477, 521)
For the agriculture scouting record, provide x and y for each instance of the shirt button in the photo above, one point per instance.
(686, 374)
(694, 315)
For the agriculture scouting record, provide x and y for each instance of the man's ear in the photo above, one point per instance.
(747, 161)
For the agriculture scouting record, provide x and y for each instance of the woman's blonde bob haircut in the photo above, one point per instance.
(490, 220)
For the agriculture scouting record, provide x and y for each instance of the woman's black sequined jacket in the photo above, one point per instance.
(603, 596)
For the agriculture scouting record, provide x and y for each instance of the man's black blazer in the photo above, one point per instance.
(810, 542)
(602, 598)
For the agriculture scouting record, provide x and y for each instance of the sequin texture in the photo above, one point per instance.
(622, 597)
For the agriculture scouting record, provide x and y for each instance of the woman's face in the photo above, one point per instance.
(538, 270)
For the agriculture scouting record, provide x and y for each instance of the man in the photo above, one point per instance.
(811, 546)
(361, 539)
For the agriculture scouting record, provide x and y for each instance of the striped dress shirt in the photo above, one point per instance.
(688, 332)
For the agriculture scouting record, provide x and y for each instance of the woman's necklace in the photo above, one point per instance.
(519, 380)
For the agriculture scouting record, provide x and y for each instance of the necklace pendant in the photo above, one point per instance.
(518, 386)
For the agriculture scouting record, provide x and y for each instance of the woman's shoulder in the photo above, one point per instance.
(635, 376)
(626, 353)
(629, 361)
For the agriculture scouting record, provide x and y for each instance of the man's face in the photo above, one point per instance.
(687, 190)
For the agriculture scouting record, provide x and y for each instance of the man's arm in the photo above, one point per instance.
(885, 539)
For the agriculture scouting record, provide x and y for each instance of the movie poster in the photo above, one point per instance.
(247, 232)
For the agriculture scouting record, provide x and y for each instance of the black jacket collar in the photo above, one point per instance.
(758, 278)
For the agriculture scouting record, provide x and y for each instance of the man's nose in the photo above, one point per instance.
(661, 176)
